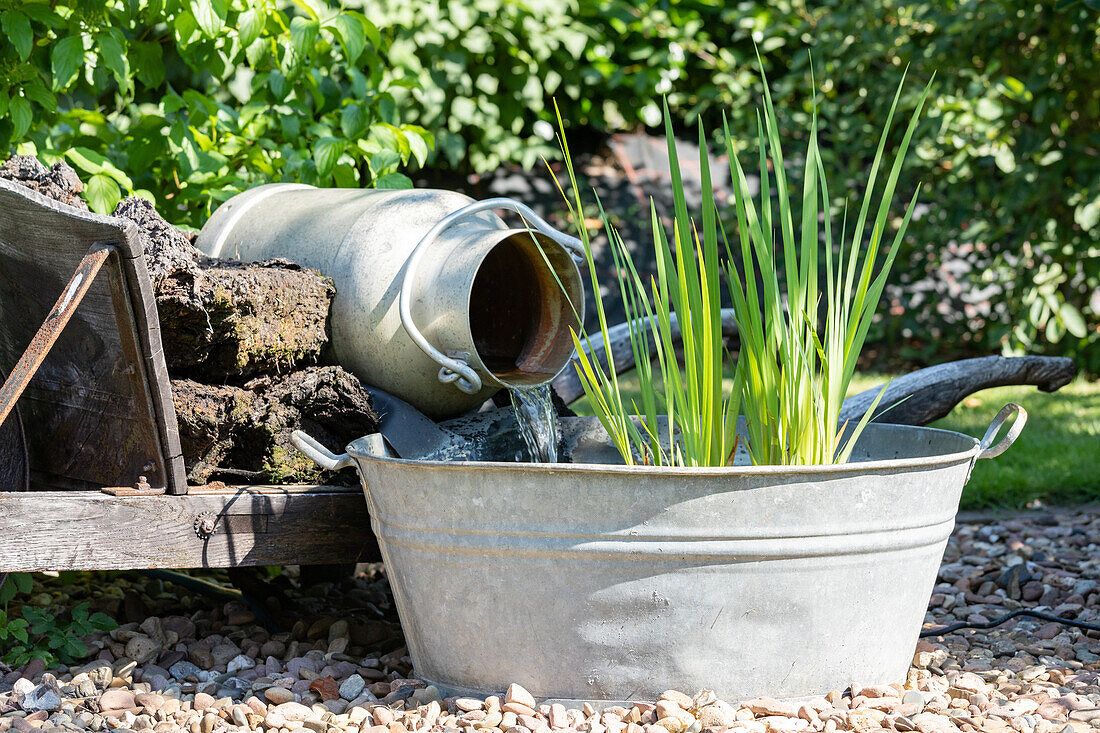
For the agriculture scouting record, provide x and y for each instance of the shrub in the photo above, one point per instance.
(489, 69)
(40, 633)
(167, 97)
(192, 101)
(1006, 255)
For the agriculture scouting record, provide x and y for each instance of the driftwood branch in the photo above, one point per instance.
(931, 393)
(918, 398)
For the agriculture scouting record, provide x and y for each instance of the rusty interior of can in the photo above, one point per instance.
(522, 307)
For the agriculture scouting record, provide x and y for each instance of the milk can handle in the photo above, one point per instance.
(454, 369)
(989, 450)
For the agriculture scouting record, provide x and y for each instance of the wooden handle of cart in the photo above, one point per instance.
(52, 327)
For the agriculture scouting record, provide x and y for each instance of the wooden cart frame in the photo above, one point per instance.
(91, 470)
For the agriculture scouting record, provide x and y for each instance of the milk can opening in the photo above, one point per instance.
(520, 317)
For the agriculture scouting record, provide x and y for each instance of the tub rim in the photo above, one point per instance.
(365, 450)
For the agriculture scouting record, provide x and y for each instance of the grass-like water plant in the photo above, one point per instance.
(691, 412)
(791, 373)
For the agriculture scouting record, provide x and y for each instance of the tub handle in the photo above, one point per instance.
(991, 450)
(453, 369)
(318, 453)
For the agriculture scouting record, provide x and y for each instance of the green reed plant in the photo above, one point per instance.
(691, 411)
(792, 374)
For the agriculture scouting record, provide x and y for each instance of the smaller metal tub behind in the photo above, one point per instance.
(608, 582)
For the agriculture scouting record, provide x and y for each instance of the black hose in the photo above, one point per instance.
(940, 631)
(213, 590)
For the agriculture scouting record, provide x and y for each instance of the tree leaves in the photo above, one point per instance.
(1073, 320)
(113, 53)
(303, 34)
(147, 62)
(20, 111)
(316, 92)
(326, 152)
(102, 194)
(393, 181)
(95, 163)
(250, 24)
(349, 31)
(66, 58)
(354, 120)
(209, 15)
(17, 27)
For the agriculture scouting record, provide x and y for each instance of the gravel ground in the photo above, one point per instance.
(184, 662)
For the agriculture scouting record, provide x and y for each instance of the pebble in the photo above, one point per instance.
(117, 699)
(558, 717)
(768, 707)
(142, 649)
(278, 695)
(43, 697)
(293, 711)
(185, 671)
(352, 687)
(520, 696)
(223, 653)
(239, 662)
(718, 714)
(150, 700)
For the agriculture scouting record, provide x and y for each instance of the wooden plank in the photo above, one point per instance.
(256, 525)
(14, 471)
(152, 378)
(56, 320)
(98, 411)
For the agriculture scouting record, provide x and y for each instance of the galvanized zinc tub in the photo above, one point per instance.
(605, 582)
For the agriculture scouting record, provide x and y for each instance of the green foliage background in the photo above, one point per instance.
(1008, 151)
(191, 101)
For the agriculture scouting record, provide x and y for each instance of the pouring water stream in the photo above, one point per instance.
(538, 422)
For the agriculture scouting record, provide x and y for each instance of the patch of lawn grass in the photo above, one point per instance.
(1056, 460)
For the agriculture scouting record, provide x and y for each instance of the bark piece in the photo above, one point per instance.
(932, 393)
(329, 403)
(167, 249)
(221, 318)
(232, 320)
(244, 432)
(60, 182)
(208, 415)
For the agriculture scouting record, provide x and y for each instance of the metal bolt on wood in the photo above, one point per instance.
(205, 524)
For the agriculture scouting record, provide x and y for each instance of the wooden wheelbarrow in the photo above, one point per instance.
(91, 471)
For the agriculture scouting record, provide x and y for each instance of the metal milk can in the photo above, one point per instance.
(437, 301)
